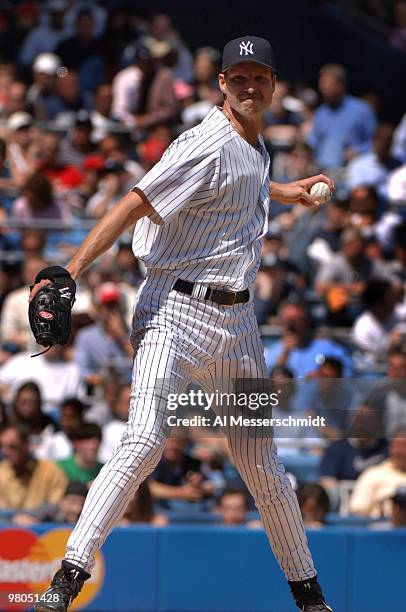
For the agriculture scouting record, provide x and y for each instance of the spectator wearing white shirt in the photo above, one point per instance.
(373, 330)
(113, 431)
(372, 168)
(59, 446)
(377, 484)
(56, 377)
(14, 323)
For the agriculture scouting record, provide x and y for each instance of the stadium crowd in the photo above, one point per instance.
(90, 98)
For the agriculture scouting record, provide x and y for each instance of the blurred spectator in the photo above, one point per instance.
(389, 395)
(372, 169)
(46, 35)
(141, 509)
(277, 277)
(101, 116)
(104, 341)
(21, 148)
(77, 144)
(295, 164)
(375, 329)
(56, 377)
(119, 33)
(33, 241)
(378, 483)
(82, 52)
(25, 482)
(68, 100)
(129, 267)
(327, 395)
(232, 507)
(326, 241)
(162, 30)
(44, 70)
(113, 185)
(59, 446)
(300, 226)
(198, 99)
(144, 94)
(97, 12)
(91, 166)
(154, 146)
(314, 504)
(38, 202)
(14, 323)
(115, 428)
(206, 69)
(16, 100)
(347, 458)
(26, 410)
(82, 465)
(63, 177)
(177, 480)
(101, 410)
(343, 278)
(281, 124)
(66, 511)
(291, 440)
(343, 126)
(298, 349)
(364, 206)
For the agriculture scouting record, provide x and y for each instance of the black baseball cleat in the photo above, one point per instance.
(65, 586)
(309, 596)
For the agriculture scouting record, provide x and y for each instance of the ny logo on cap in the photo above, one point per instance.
(247, 47)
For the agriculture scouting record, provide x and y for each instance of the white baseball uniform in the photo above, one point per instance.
(210, 193)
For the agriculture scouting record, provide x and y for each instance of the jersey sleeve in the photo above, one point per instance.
(177, 182)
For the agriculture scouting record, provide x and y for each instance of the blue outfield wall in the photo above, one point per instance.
(214, 569)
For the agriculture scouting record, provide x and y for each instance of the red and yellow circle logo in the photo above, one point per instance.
(28, 562)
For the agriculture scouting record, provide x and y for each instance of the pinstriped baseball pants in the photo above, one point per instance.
(178, 338)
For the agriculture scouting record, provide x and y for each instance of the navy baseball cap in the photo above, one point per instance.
(247, 49)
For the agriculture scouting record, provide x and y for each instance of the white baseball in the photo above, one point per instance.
(320, 192)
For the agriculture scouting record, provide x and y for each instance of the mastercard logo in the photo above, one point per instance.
(28, 562)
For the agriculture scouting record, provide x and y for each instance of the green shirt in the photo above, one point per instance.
(77, 472)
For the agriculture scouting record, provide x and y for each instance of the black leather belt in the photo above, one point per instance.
(226, 298)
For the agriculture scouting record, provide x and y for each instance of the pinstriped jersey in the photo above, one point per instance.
(210, 194)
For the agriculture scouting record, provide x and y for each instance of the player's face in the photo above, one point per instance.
(248, 88)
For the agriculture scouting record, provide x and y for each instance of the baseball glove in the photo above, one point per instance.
(50, 309)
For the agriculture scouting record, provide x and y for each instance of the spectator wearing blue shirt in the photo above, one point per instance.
(364, 447)
(325, 394)
(372, 168)
(298, 349)
(343, 126)
(106, 340)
